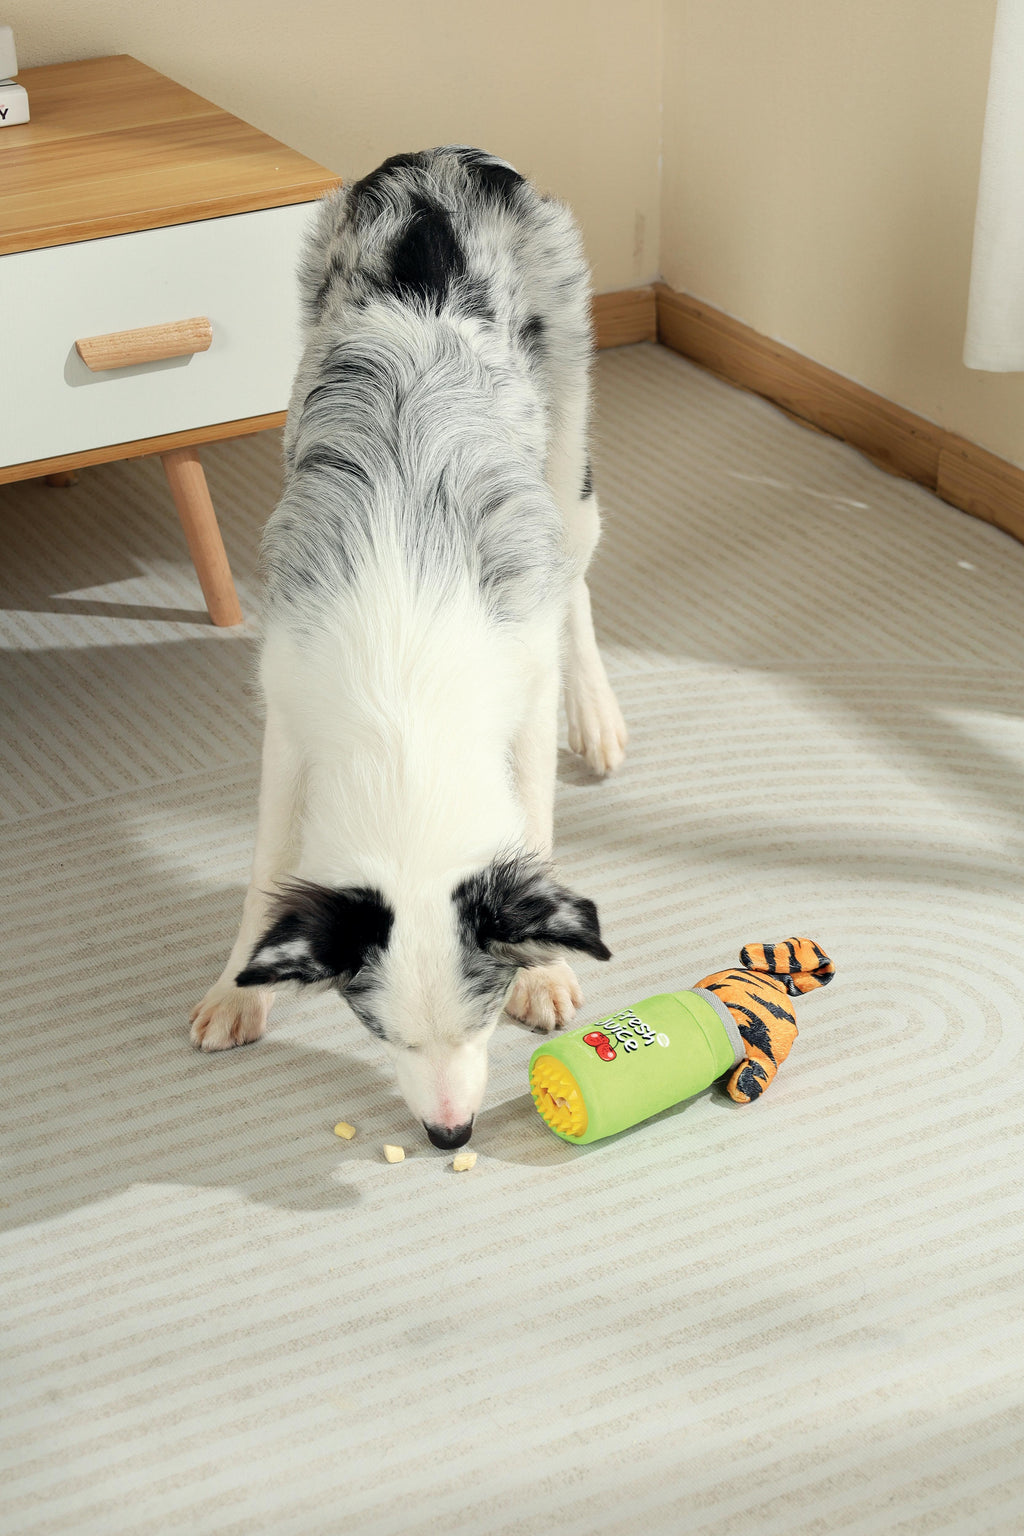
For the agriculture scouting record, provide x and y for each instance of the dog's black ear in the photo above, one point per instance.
(318, 934)
(516, 911)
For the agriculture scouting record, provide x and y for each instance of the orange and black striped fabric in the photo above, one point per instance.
(758, 997)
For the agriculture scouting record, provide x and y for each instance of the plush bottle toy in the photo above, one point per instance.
(595, 1081)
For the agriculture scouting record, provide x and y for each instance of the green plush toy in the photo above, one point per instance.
(605, 1077)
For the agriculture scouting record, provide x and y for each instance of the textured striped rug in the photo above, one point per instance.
(797, 1318)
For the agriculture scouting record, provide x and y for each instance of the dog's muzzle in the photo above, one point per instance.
(447, 1139)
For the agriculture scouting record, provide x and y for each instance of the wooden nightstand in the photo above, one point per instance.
(137, 216)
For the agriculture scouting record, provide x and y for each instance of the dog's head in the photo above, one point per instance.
(428, 974)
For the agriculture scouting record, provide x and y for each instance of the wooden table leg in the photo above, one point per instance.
(205, 545)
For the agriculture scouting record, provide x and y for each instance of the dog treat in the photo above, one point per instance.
(394, 1154)
(344, 1129)
(463, 1160)
(603, 1078)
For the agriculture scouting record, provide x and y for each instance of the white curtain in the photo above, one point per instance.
(995, 314)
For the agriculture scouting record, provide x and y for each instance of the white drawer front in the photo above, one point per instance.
(239, 271)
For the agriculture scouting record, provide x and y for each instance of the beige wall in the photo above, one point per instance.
(820, 157)
(820, 172)
(568, 90)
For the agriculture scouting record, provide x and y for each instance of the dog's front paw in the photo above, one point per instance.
(230, 1015)
(597, 730)
(545, 996)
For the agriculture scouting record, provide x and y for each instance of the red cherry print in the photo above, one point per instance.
(601, 1044)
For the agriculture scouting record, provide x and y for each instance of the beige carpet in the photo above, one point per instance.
(793, 1319)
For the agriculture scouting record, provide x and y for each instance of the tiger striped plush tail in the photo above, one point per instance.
(801, 964)
(758, 997)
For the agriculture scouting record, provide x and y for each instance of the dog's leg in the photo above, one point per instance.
(543, 996)
(230, 1015)
(535, 753)
(596, 727)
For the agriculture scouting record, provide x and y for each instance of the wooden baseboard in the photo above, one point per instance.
(980, 483)
(625, 317)
(958, 471)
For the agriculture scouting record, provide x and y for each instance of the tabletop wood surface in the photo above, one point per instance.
(113, 147)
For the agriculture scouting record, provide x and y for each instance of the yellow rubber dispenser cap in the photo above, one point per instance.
(557, 1096)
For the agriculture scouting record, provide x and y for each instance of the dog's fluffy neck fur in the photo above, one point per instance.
(404, 707)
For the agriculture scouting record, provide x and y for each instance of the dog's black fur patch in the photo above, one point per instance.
(319, 456)
(347, 369)
(587, 489)
(474, 299)
(329, 933)
(368, 195)
(359, 993)
(531, 337)
(514, 907)
(428, 258)
(499, 183)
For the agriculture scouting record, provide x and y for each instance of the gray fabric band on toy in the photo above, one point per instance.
(739, 1049)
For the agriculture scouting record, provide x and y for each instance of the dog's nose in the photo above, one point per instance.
(447, 1139)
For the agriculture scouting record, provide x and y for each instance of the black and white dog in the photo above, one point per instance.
(425, 584)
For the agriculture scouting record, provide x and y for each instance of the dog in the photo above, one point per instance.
(425, 586)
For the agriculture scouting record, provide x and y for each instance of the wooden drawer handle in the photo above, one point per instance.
(150, 344)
